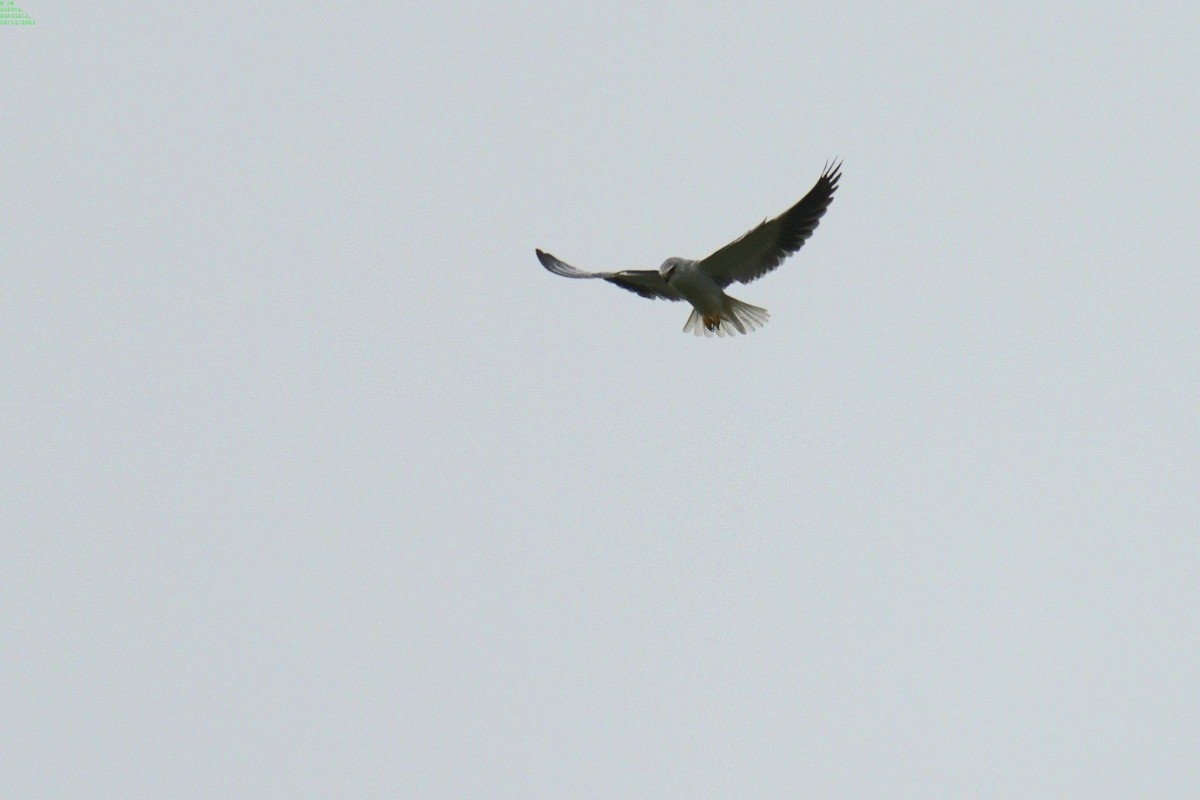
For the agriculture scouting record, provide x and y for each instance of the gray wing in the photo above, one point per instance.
(646, 282)
(764, 248)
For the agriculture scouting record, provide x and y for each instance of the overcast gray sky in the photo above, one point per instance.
(316, 484)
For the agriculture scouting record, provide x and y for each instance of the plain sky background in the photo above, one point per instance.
(316, 484)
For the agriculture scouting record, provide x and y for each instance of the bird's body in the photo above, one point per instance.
(713, 311)
(702, 283)
(690, 283)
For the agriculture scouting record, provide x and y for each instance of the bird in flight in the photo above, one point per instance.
(702, 283)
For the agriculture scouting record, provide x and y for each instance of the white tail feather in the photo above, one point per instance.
(736, 317)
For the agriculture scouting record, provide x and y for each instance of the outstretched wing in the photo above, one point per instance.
(764, 248)
(646, 282)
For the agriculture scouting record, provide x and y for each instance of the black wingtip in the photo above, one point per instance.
(832, 171)
(553, 264)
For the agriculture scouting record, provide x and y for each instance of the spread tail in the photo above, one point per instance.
(736, 317)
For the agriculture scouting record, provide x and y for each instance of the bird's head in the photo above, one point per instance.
(668, 267)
